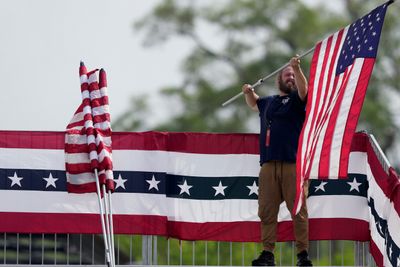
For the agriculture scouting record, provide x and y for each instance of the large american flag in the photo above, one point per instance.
(340, 70)
(88, 136)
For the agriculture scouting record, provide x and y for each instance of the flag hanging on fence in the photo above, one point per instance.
(88, 137)
(340, 70)
(192, 186)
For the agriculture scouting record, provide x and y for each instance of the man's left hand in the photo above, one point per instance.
(295, 62)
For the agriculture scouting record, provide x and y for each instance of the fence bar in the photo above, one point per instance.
(230, 253)
(117, 259)
(80, 249)
(342, 249)
(154, 262)
(206, 252)
(180, 251)
(293, 253)
(42, 249)
(193, 252)
(218, 253)
(130, 249)
(17, 248)
(144, 249)
(150, 249)
(92, 248)
(242, 254)
(55, 249)
(355, 253)
(5, 248)
(67, 248)
(168, 252)
(30, 248)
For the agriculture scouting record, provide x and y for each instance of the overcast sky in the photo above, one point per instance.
(43, 41)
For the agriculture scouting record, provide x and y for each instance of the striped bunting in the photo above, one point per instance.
(186, 185)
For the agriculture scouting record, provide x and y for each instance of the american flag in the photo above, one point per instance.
(88, 137)
(340, 70)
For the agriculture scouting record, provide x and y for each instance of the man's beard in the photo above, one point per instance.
(285, 88)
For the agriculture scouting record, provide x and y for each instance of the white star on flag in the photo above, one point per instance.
(50, 181)
(321, 187)
(219, 189)
(354, 185)
(185, 188)
(153, 183)
(253, 188)
(120, 182)
(15, 180)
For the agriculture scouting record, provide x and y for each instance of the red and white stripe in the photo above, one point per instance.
(211, 156)
(88, 137)
(101, 115)
(333, 107)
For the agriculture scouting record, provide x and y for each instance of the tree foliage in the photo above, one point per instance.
(247, 40)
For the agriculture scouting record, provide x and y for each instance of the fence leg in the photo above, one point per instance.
(146, 249)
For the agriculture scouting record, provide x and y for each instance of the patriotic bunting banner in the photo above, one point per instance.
(340, 71)
(384, 212)
(186, 185)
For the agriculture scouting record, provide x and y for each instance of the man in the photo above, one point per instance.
(281, 118)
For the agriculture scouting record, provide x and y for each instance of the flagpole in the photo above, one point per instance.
(261, 81)
(111, 225)
(108, 229)
(103, 228)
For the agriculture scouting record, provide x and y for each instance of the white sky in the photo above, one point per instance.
(43, 41)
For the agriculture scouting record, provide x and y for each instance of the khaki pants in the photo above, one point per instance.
(277, 183)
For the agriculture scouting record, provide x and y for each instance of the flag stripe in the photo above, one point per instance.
(158, 225)
(312, 150)
(332, 91)
(208, 165)
(199, 143)
(191, 210)
(310, 126)
(305, 131)
(330, 158)
(360, 89)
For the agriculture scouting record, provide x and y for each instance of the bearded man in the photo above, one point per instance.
(281, 121)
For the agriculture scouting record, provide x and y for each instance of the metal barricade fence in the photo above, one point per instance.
(80, 249)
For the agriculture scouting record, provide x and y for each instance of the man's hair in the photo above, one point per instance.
(278, 78)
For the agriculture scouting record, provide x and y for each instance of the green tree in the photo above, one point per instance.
(254, 38)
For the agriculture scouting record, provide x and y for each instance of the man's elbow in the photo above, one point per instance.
(254, 107)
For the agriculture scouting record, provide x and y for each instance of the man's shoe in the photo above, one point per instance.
(266, 258)
(303, 260)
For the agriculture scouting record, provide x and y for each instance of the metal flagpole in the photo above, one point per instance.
(111, 225)
(103, 228)
(106, 215)
(261, 81)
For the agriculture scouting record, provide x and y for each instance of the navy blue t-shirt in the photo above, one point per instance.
(285, 116)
